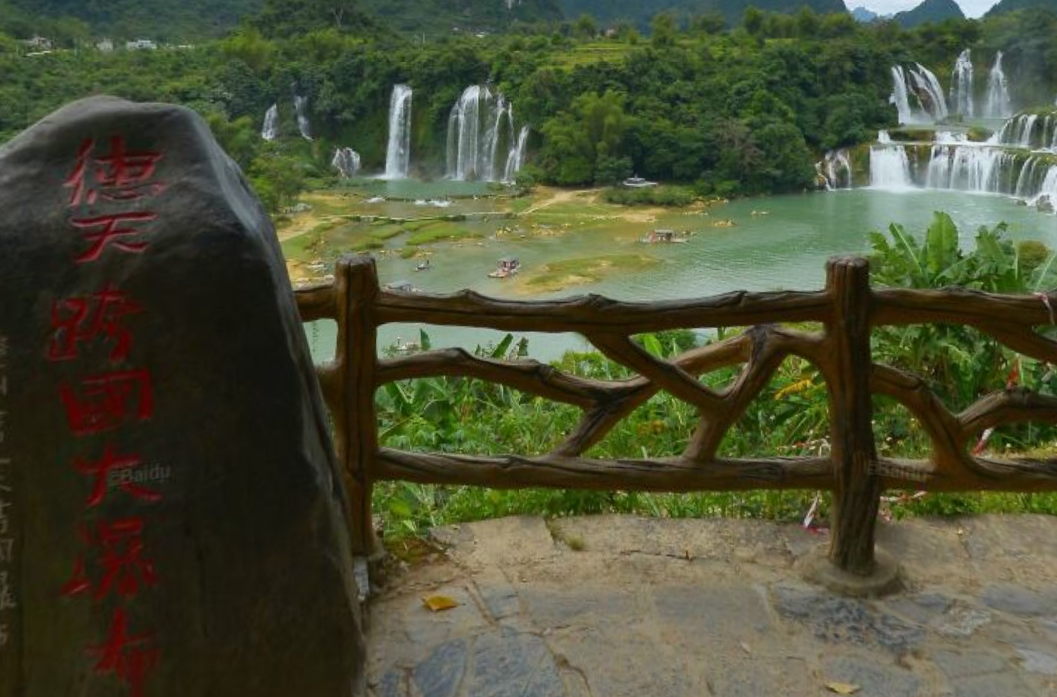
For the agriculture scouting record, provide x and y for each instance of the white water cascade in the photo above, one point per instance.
(347, 162)
(1027, 130)
(517, 155)
(997, 104)
(917, 85)
(270, 130)
(1019, 161)
(962, 85)
(303, 124)
(835, 170)
(481, 138)
(398, 153)
(889, 168)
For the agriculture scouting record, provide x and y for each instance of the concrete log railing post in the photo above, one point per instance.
(355, 421)
(857, 488)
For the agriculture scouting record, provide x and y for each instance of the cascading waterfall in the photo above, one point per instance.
(921, 84)
(978, 169)
(1019, 161)
(899, 95)
(481, 137)
(962, 85)
(517, 155)
(835, 170)
(270, 130)
(398, 153)
(1027, 130)
(889, 168)
(997, 104)
(303, 124)
(929, 92)
(346, 161)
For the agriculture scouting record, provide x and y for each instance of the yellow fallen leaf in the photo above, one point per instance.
(436, 603)
(842, 688)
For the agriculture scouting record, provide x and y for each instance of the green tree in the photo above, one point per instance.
(585, 27)
(663, 30)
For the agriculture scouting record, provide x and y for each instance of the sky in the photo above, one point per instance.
(971, 8)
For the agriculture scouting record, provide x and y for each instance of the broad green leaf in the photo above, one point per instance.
(501, 348)
(652, 345)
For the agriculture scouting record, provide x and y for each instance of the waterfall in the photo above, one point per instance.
(481, 137)
(517, 155)
(889, 168)
(835, 169)
(1027, 130)
(983, 170)
(883, 138)
(929, 92)
(270, 130)
(899, 95)
(398, 154)
(962, 85)
(922, 84)
(997, 105)
(346, 161)
(303, 125)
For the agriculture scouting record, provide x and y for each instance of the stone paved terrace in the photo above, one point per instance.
(614, 606)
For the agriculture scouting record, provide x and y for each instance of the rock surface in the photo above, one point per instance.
(178, 525)
(717, 608)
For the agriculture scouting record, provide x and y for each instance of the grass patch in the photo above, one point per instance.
(440, 230)
(669, 196)
(557, 275)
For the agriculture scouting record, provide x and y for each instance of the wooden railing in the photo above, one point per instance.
(847, 309)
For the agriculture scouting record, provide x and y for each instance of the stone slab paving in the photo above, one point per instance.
(619, 606)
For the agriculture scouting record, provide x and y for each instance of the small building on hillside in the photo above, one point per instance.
(106, 45)
(140, 45)
(38, 43)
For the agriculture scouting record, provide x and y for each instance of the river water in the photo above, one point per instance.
(778, 242)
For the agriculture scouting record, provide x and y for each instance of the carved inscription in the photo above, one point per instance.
(110, 396)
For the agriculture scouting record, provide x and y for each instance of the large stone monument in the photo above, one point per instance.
(171, 518)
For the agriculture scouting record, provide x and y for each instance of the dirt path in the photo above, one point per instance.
(556, 196)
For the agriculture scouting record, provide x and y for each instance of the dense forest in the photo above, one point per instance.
(641, 12)
(731, 111)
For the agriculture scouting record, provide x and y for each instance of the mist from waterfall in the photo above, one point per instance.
(303, 124)
(270, 130)
(998, 103)
(398, 152)
(346, 161)
(482, 144)
(962, 85)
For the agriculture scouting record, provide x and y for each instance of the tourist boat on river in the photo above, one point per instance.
(401, 287)
(507, 266)
(663, 236)
(638, 182)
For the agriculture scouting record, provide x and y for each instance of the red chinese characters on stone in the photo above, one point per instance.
(107, 401)
(120, 175)
(104, 230)
(82, 320)
(114, 470)
(130, 658)
(122, 566)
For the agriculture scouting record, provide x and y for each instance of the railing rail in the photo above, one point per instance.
(848, 310)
